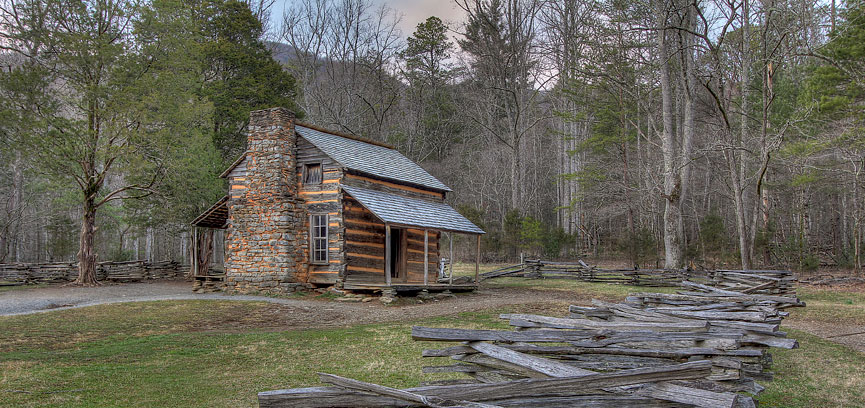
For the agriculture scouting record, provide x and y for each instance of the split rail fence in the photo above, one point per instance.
(769, 281)
(701, 347)
(58, 272)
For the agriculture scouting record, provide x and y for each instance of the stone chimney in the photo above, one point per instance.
(265, 228)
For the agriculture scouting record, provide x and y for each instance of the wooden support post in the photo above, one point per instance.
(387, 249)
(451, 259)
(194, 251)
(478, 260)
(426, 257)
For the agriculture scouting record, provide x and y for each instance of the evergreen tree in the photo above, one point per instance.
(240, 73)
(99, 103)
(427, 53)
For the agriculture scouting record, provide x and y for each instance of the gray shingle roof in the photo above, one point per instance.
(378, 161)
(415, 212)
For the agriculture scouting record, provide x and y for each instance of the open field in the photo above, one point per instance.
(220, 354)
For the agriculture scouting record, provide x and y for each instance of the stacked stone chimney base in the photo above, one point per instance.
(266, 231)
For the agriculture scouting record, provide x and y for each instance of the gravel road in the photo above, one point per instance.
(52, 298)
(46, 299)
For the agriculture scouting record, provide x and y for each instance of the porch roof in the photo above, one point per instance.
(214, 217)
(412, 212)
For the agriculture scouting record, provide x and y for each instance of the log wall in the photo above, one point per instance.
(322, 198)
(364, 244)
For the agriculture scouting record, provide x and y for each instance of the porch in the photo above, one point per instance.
(401, 246)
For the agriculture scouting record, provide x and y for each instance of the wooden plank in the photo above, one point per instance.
(425, 257)
(434, 402)
(538, 364)
(564, 323)
(689, 395)
(542, 335)
(547, 387)
(552, 368)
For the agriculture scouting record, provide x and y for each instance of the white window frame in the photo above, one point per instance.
(316, 238)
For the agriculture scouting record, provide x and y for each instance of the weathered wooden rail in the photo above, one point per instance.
(748, 281)
(58, 272)
(702, 347)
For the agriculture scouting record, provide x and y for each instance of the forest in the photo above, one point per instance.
(666, 133)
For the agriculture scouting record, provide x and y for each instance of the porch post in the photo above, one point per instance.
(451, 259)
(387, 254)
(194, 251)
(425, 257)
(478, 260)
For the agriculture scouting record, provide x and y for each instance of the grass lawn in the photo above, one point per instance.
(220, 354)
(839, 305)
(153, 354)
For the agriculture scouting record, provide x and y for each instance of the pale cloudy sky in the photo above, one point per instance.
(412, 11)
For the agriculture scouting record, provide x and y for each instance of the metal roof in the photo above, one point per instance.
(413, 212)
(371, 159)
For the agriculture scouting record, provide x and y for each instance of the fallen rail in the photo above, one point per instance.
(58, 272)
(747, 281)
(701, 347)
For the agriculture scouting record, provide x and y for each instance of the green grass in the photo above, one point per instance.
(161, 354)
(581, 288)
(831, 305)
(819, 373)
(221, 354)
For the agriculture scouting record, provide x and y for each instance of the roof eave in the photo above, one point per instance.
(396, 224)
(209, 211)
(446, 189)
(233, 165)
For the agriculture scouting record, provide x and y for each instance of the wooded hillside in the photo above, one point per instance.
(665, 132)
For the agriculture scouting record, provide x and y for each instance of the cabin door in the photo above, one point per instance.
(398, 258)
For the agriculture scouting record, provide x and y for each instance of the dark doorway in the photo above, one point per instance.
(398, 243)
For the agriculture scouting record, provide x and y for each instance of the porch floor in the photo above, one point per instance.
(411, 287)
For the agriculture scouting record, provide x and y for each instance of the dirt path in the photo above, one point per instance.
(290, 312)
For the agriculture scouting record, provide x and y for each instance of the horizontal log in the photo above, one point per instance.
(564, 323)
(529, 388)
(440, 334)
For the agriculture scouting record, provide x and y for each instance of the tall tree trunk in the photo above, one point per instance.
(86, 254)
(857, 222)
(516, 172)
(741, 219)
(690, 113)
(672, 209)
(745, 249)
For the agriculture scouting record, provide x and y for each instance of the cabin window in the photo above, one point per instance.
(318, 238)
(312, 173)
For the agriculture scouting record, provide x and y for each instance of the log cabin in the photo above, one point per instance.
(306, 205)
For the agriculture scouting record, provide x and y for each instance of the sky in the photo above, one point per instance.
(412, 12)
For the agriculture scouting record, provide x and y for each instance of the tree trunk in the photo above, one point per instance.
(741, 218)
(739, 158)
(690, 113)
(86, 254)
(516, 171)
(672, 210)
